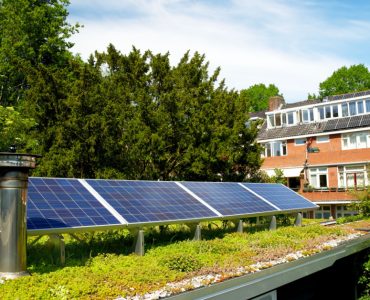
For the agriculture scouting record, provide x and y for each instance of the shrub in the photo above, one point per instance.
(182, 262)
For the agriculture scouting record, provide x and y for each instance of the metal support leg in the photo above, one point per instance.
(198, 233)
(298, 220)
(273, 223)
(240, 226)
(139, 243)
(58, 240)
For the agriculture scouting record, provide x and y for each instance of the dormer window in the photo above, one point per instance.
(344, 109)
(335, 111)
(360, 107)
(278, 120)
(307, 115)
(290, 117)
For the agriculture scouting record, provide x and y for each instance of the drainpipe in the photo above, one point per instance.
(14, 169)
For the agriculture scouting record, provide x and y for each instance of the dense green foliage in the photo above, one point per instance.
(257, 96)
(131, 116)
(14, 129)
(356, 78)
(90, 275)
(362, 205)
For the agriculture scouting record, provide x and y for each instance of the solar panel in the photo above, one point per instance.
(365, 120)
(229, 198)
(280, 195)
(354, 122)
(150, 201)
(331, 125)
(63, 203)
(342, 123)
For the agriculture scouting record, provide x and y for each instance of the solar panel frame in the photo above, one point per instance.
(354, 121)
(331, 125)
(342, 123)
(270, 191)
(64, 205)
(365, 120)
(139, 202)
(54, 193)
(230, 199)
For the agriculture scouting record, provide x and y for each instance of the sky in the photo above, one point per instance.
(294, 45)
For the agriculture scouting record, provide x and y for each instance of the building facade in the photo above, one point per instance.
(323, 148)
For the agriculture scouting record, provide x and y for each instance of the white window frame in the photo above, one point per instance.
(355, 140)
(273, 150)
(317, 172)
(345, 171)
(310, 115)
(287, 118)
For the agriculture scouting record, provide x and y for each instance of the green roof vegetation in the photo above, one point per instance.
(99, 266)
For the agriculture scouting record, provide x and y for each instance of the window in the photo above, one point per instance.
(290, 117)
(277, 148)
(323, 212)
(343, 211)
(284, 119)
(327, 112)
(356, 140)
(335, 111)
(319, 177)
(322, 139)
(352, 176)
(299, 142)
(352, 108)
(344, 109)
(360, 107)
(278, 119)
(271, 121)
(321, 113)
(367, 105)
(307, 115)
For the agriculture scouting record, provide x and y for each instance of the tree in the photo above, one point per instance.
(257, 96)
(356, 78)
(16, 130)
(362, 204)
(32, 33)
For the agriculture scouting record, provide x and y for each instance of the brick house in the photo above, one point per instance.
(323, 148)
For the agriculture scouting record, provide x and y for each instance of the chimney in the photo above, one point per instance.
(275, 102)
(14, 169)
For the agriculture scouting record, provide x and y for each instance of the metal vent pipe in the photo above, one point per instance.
(14, 170)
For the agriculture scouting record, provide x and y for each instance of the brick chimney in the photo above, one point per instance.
(275, 102)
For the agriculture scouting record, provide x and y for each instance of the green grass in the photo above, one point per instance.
(100, 266)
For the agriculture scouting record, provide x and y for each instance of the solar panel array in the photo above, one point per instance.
(348, 96)
(64, 205)
(348, 122)
(229, 198)
(150, 201)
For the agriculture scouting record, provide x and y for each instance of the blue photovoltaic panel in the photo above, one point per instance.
(150, 201)
(63, 203)
(229, 198)
(280, 195)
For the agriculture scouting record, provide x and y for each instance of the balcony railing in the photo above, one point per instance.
(334, 189)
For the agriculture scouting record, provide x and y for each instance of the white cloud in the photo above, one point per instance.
(253, 42)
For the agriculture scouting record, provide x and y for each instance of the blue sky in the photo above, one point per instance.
(292, 44)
